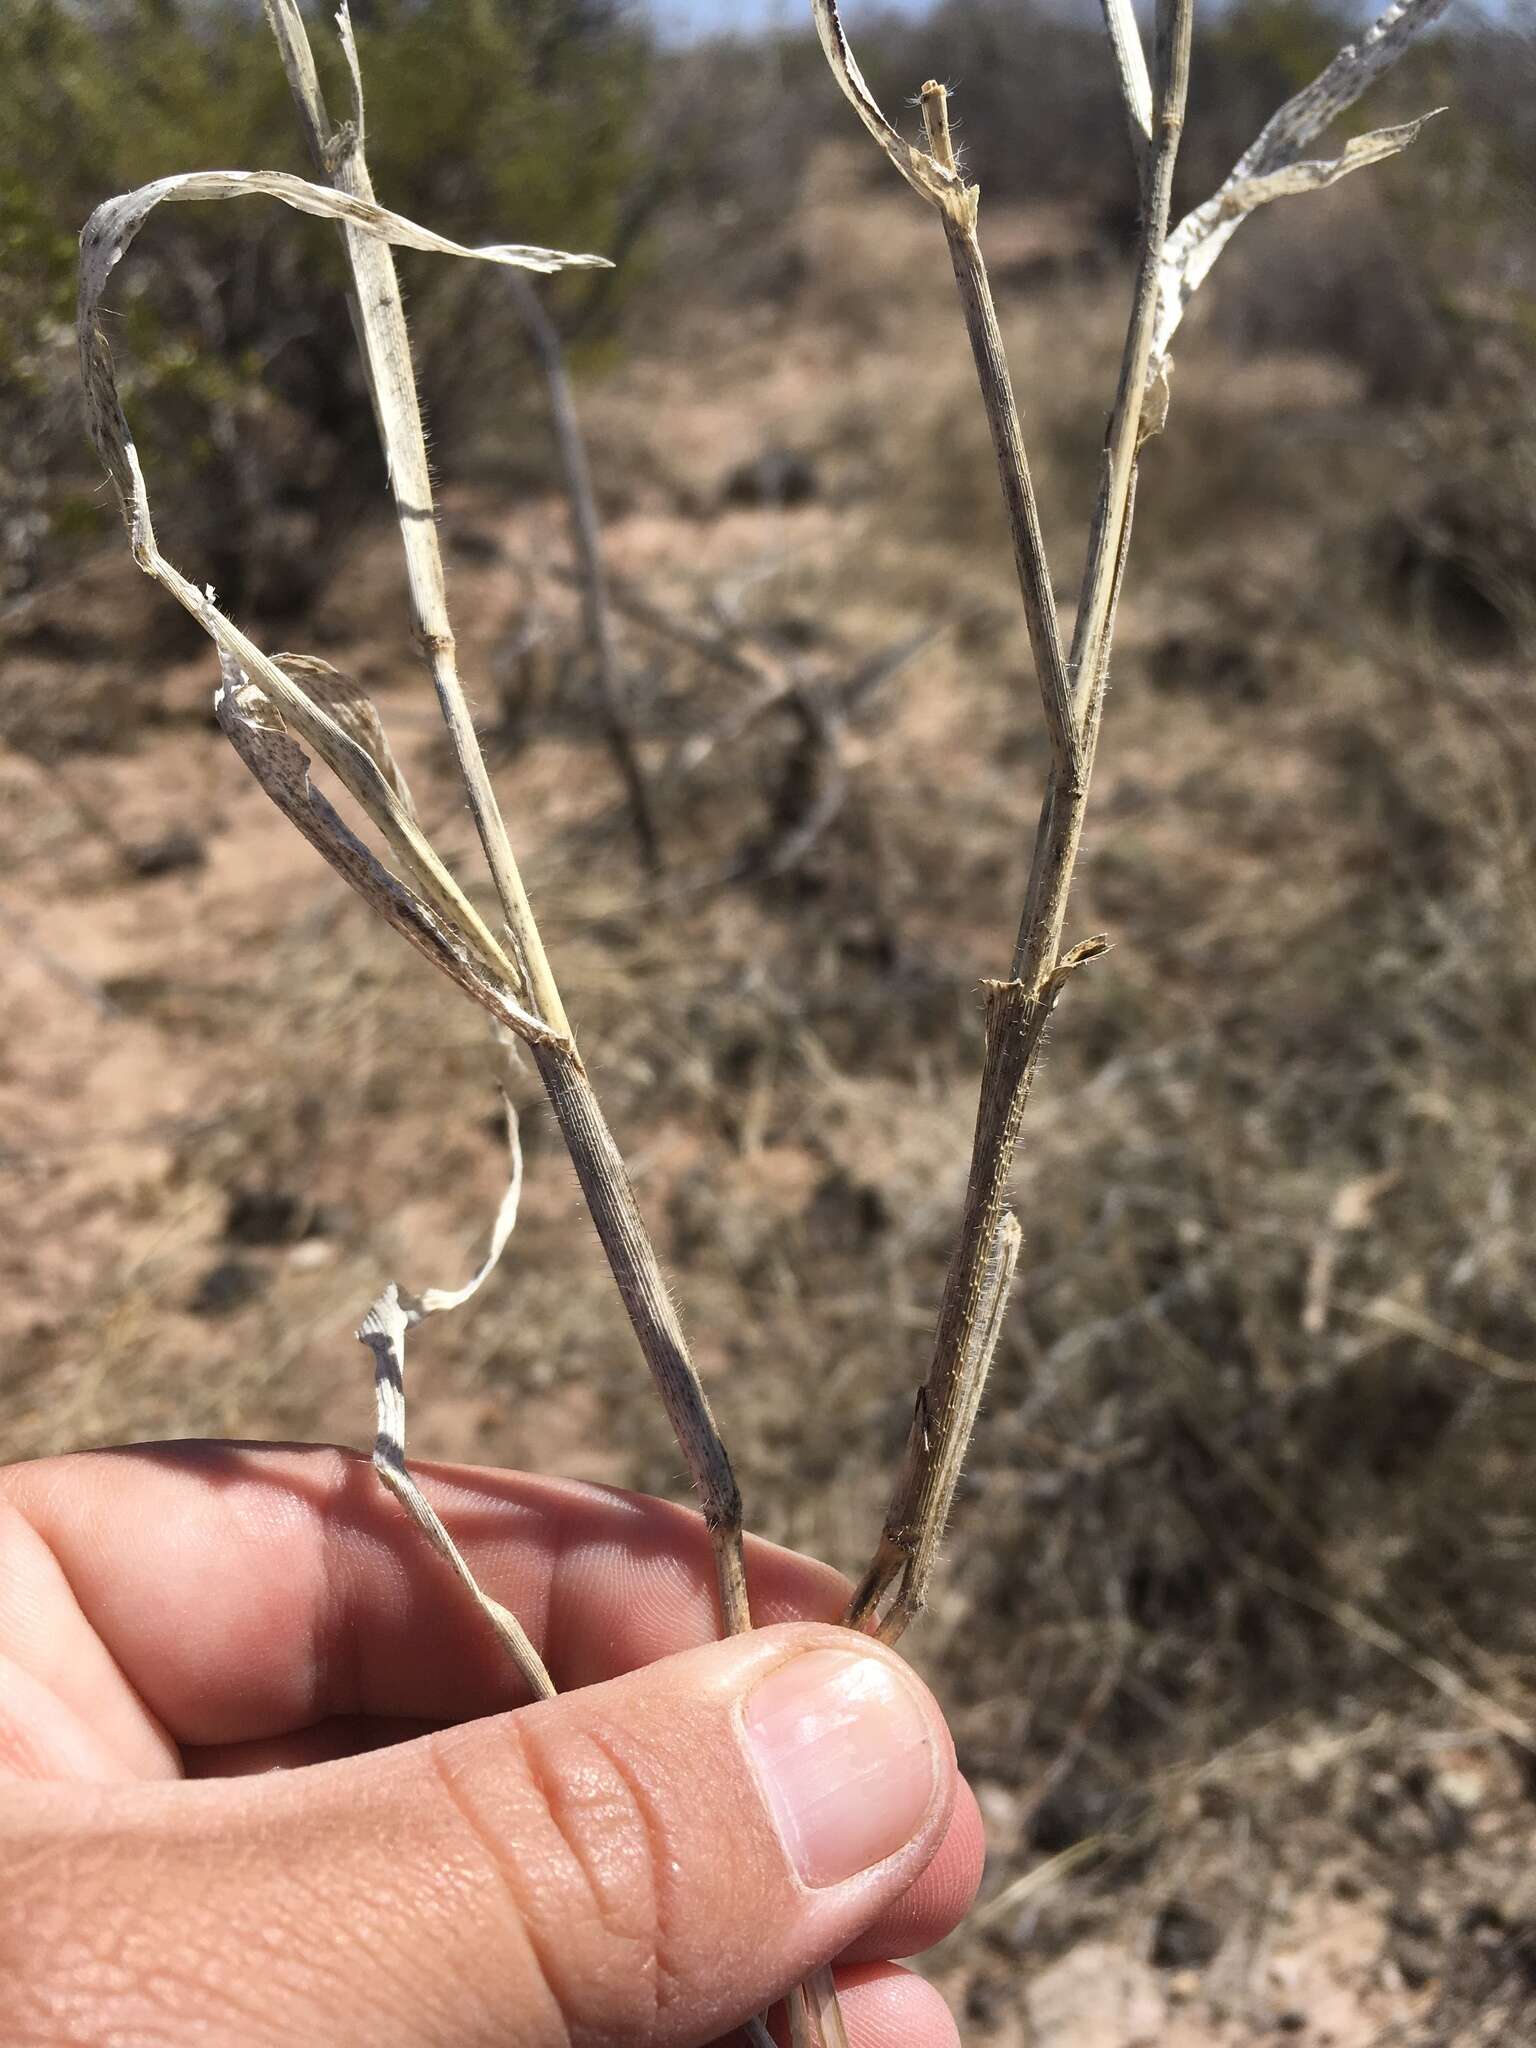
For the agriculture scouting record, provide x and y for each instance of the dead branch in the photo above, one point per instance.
(591, 568)
(19, 936)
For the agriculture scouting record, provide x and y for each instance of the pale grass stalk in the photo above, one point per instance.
(1135, 81)
(380, 319)
(267, 711)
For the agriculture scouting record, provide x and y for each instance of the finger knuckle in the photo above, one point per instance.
(591, 1873)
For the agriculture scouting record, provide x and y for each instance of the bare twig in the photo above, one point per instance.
(1412, 1322)
(592, 574)
(821, 728)
(24, 941)
(726, 650)
(1434, 1671)
(844, 695)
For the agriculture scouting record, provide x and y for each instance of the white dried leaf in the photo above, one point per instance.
(352, 743)
(1131, 68)
(926, 177)
(1274, 167)
(1312, 173)
(434, 1301)
(111, 228)
(1337, 87)
(110, 231)
(1191, 250)
(384, 1330)
(256, 730)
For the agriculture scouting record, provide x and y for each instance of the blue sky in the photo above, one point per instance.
(684, 18)
(688, 17)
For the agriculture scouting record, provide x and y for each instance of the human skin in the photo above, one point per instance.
(265, 1776)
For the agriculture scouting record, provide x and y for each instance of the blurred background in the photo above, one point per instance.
(1235, 1623)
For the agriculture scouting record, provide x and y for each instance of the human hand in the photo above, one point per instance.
(649, 1859)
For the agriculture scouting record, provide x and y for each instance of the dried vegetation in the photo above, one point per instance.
(1235, 1627)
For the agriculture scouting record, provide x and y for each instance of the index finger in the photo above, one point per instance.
(247, 1591)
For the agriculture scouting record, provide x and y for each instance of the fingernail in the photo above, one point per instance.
(843, 1747)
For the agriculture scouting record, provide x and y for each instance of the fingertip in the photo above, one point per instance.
(939, 1900)
(246, 1591)
(854, 1761)
(885, 2006)
(786, 1585)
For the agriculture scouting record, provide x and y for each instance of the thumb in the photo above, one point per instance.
(647, 1861)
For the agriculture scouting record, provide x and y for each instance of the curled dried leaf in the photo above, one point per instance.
(353, 710)
(384, 1331)
(351, 744)
(1079, 956)
(943, 187)
(256, 730)
(1274, 166)
(109, 234)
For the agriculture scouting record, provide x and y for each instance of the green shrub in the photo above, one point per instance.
(489, 119)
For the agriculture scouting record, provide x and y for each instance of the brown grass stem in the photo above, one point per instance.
(1169, 268)
(637, 1271)
(1175, 24)
(1019, 1009)
(1022, 508)
(936, 1450)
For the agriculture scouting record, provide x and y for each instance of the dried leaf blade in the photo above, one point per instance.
(921, 172)
(1273, 166)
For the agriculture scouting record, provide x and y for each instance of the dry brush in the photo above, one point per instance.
(282, 712)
